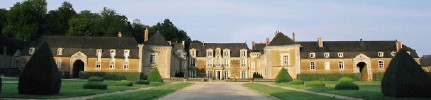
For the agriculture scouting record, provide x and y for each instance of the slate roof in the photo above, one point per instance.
(157, 39)
(281, 39)
(258, 47)
(233, 47)
(11, 44)
(425, 61)
(88, 45)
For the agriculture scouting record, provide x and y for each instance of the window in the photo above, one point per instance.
(312, 65)
(152, 59)
(112, 65)
(243, 74)
(218, 52)
(312, 55)
(98, 64)
(226, 53)
(112, 52)
(393, 53)
(226, 74)
(226, 62)
(327, 65)
(99, 54)
(218, 62)
(193, 52)
(380, 54)
(126, 55)
(243, 62)
(326, 55)
(408, 52)
(209, 53)
(60, 51)
(210, 62)
(126, 66)
(209, 74)
(58, 62)
(31, 51)
(340, 54)
(243, 53)
(285, 59)
(341, 65)
(193, 62)
(381, 64)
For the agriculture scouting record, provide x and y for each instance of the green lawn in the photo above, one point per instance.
(69, 88)
(147, 94)
(284, 94)
(367, 90)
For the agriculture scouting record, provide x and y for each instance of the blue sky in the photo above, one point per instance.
(255, 20)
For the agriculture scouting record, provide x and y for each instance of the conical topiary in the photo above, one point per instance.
(283, 76)
(155, 76)
(405, 78)
(40, 75)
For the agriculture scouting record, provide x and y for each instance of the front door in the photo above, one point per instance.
(218, 75)
(78, 66)
(363, 70)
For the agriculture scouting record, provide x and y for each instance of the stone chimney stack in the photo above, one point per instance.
(293, 36)
(146, 35)
(399, 45)
(252, 45)
(119, 34)
(320, 42)
(267, 41)
(169, 42)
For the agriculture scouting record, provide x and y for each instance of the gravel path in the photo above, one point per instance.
(216, 91)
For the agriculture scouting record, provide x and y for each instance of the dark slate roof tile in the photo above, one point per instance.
(281, 39)
(157, 39)
(233, 47)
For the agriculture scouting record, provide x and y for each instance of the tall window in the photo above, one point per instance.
(380, 54)
(226, 53)
(210, 62)
(226, 74)
(60, 51)
(209, 53)
(153, 59)
(312, 65)
(126, 55)
(58, 62)
(312, 55)
(31, 51)
(285, 60)
(226, 62)
(327, 65)
(99, 54)
(243, 74)
(243, 53)
(326, 55)
(193, 62)
(218, 62)
(209, 74)
(193, 52)
(243, 62)
(340, 54)
(341, 65)
(381, 64)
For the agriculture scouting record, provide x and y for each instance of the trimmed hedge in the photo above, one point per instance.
(142, 82)
(112, 75)
(296, 82)
(328, 77)
(257, 75)
(95, 85)
(404, 77)
(12, 72)
(155, 76)
(346, 83)
(378, 76)
(40, 75)
(283, 76)
(123, 83)
(315, 84)
(95, 78)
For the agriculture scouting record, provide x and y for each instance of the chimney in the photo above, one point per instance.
(399, 45)
(252, 45)
(169, 42)
(320, 42)
(119, 34)
(183, 43)
(146, 35)
(267, 41)
(293, 36)
(203, 43)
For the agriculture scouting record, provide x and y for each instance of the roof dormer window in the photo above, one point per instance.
(312, 55)
(340, 55)
(126, 55)
(218, 52)
(408, 52)
(112, 52)
(243, 53)
(31, 50)
(393, 53)
(326, 55)
(380, 54)
(99, 54)
(193, 52)
(226, 53)
(60, 51)
(209, 53)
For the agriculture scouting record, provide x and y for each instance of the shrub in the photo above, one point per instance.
(283, 76)
(378, 76)
(95, 78)
(315, 84)
(123, 83)
(296, 82)
(328, 77)
(132, 76)
(405, 78)
(40, 75)
(257, 75)
(142, 82)
(95, 85)
(346, 83)
(155, 76)
(12, 72)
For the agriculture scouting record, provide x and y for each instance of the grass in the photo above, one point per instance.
(152, 93)
(284, 94)
(69, 88)
(367, 90)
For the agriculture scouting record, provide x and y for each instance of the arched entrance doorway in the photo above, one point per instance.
(363, 70)
(78, 66)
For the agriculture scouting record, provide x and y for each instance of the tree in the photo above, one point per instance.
(40, 75)
(405, 78)
(283, 76)
(155, 76)
(170, 31)
(3, 13)
(83, 24)
(111, 23)
(25, 20)
(57, 21)
(138, 30)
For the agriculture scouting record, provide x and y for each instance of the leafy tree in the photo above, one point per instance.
(40, 75)
(83, 24)
(25, 20)
(169, 31)
(283, 76)
(155, 76)
(3, 13)
(57, 21)
(138, 30)
(405, 78)
(111, 23)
